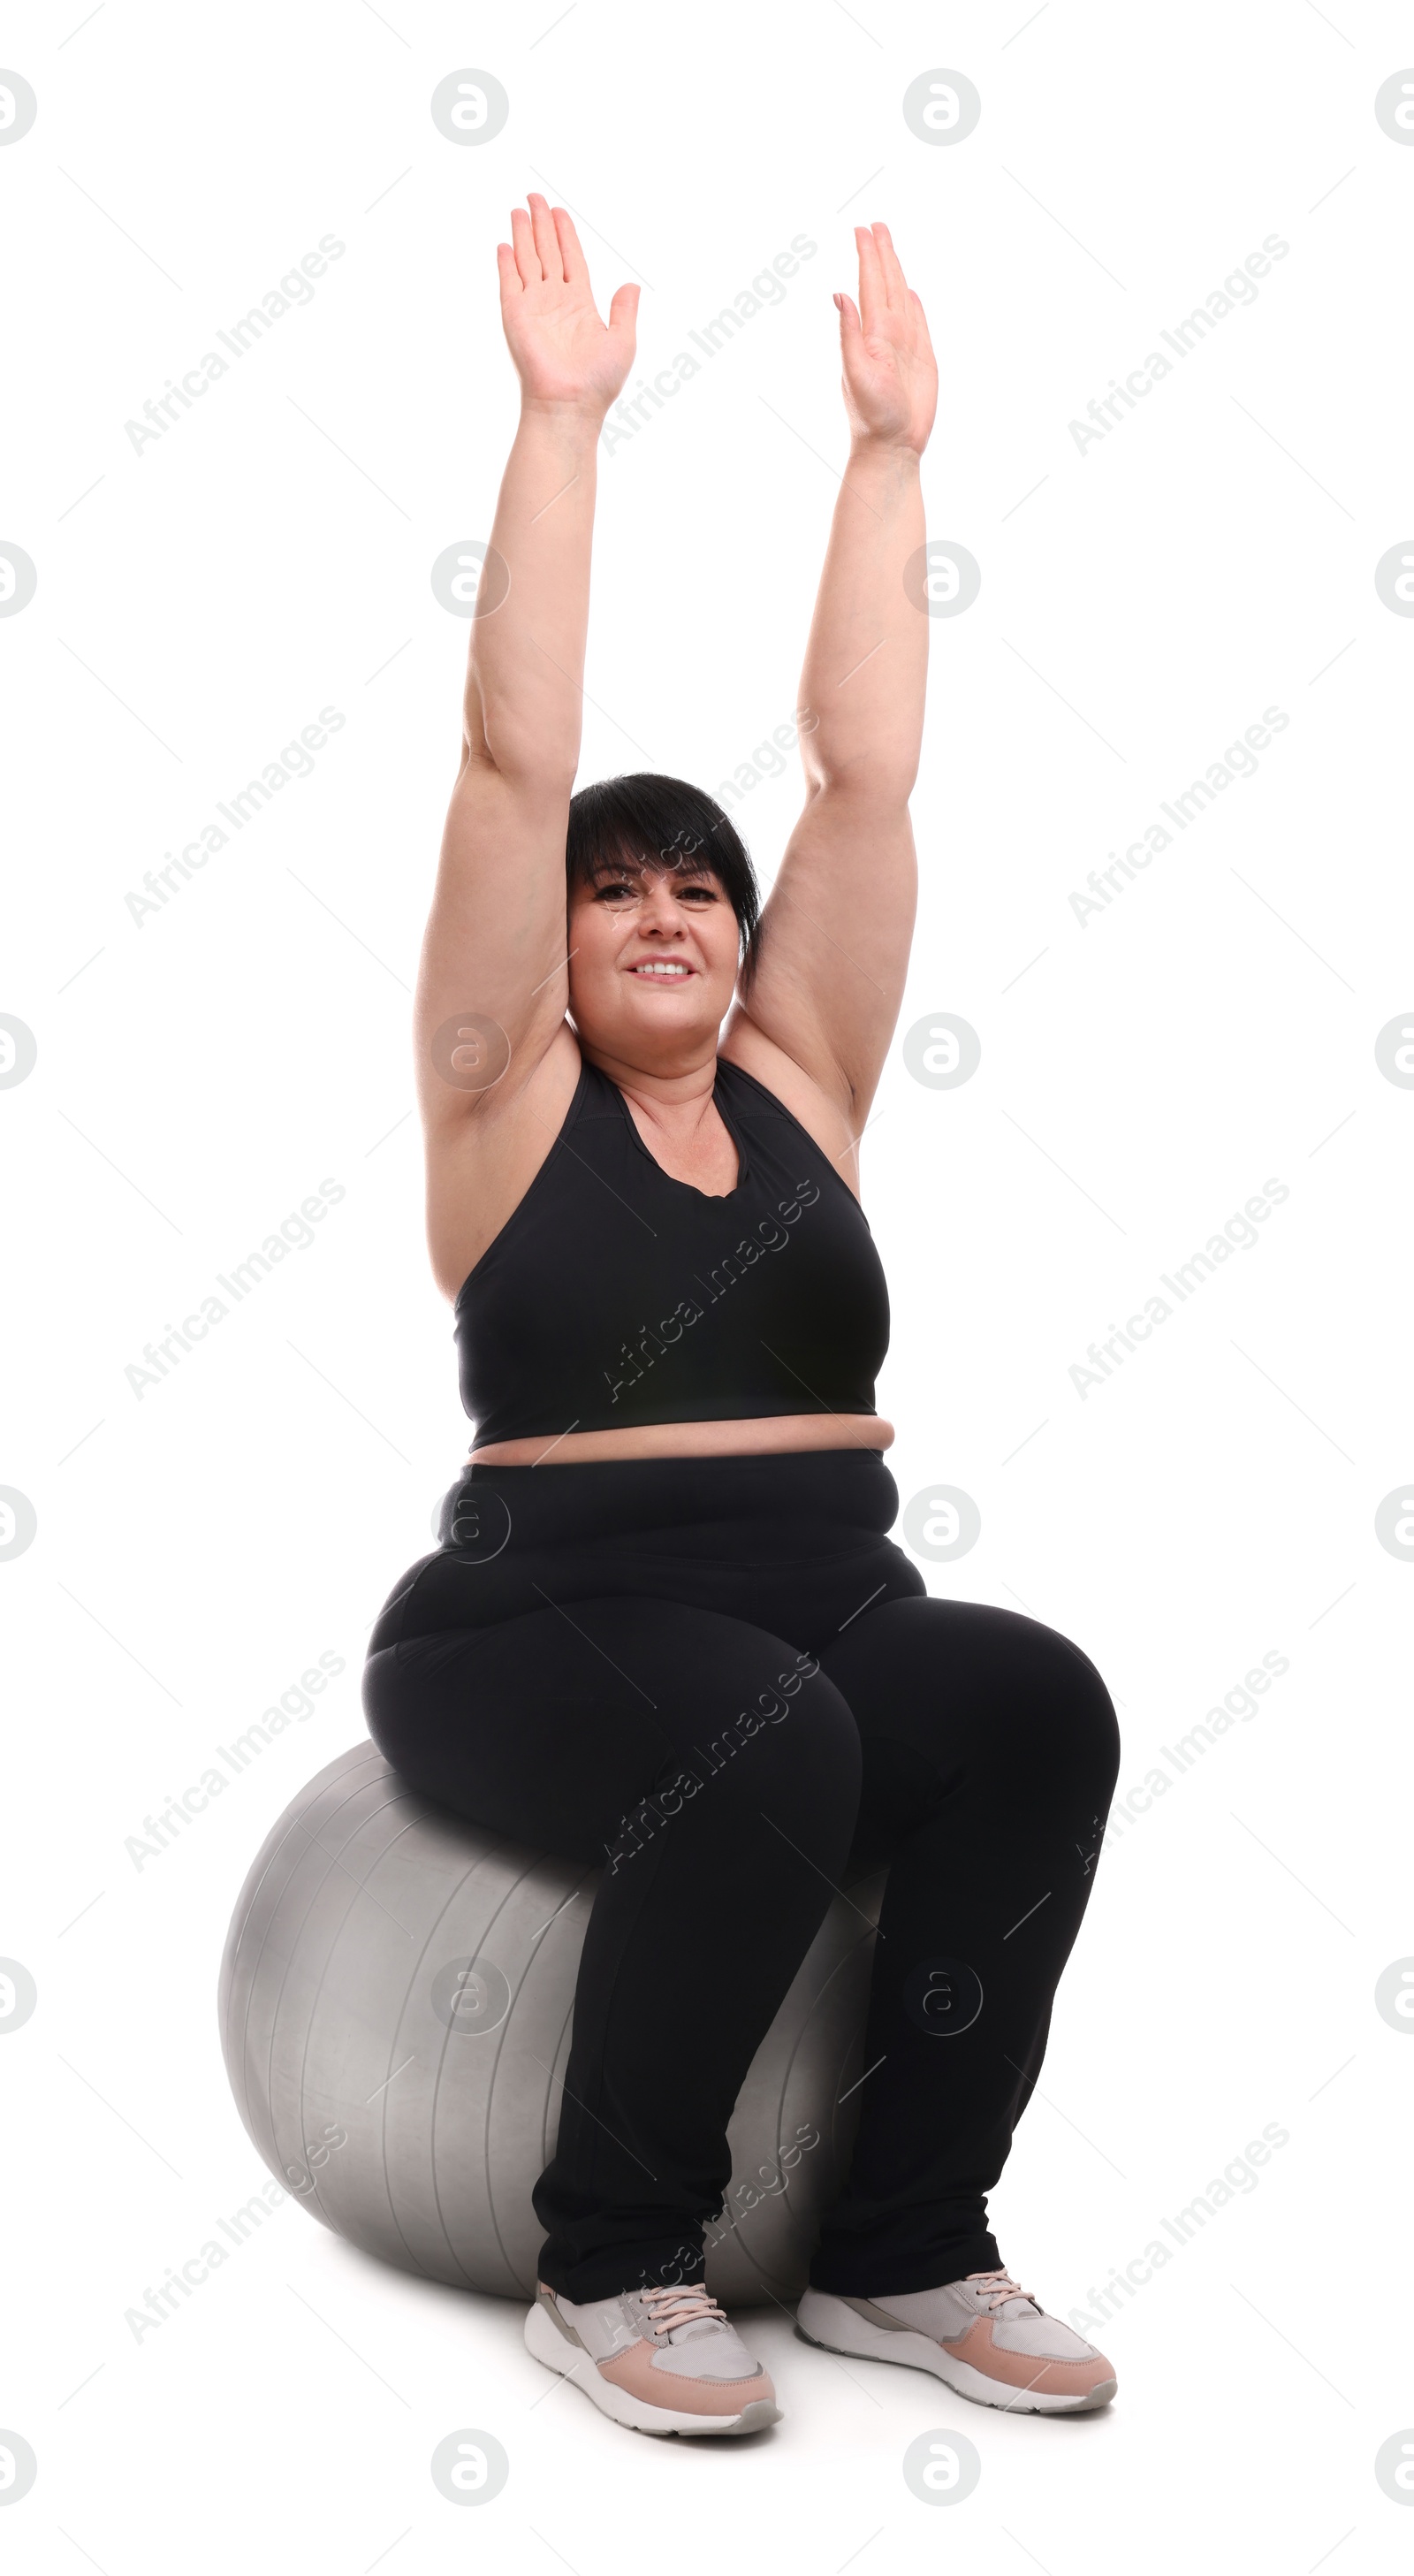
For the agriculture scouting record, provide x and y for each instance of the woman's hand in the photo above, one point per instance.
(890, 373)
(563, 353)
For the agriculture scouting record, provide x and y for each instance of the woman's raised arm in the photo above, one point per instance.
(493, 952)
(839, 921)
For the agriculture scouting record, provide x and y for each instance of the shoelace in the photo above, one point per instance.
(998, 2287)
(668, 2308)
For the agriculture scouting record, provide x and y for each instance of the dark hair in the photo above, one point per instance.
(646, 820)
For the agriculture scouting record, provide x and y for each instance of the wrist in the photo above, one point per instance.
(572, 414)
(868, 447)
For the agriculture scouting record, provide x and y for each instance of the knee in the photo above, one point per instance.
(1017, 1700)
(791, 1747)
(1069, 1716)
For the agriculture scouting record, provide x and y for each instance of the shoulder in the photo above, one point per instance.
(822, 1115)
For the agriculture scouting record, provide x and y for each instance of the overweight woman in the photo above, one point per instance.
(665, 1629)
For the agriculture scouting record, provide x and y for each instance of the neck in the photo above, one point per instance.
(686, 1083)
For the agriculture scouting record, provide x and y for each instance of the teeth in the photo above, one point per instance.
(660, 970)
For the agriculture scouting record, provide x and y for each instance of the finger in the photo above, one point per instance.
(572, 260)
(623, 318)
(873, 294)
(894, 279)
(526, 257)
(546, 240)
(850, 326)
(509, 273)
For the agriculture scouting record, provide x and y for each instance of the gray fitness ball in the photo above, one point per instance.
(395, 2004)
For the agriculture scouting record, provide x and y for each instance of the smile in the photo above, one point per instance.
(651, 966)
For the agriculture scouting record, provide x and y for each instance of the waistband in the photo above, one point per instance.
(782, 1504)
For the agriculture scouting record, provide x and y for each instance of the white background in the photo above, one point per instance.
(1214, 1500)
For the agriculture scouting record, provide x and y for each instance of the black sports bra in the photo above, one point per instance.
(616, 1294)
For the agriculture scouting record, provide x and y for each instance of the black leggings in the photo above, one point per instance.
(720, 1679)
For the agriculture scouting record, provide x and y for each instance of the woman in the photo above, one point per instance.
(665, 1629)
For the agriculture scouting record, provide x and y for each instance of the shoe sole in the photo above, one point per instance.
(544, 2342)
(854, 2335)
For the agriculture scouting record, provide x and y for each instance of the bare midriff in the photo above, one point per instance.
(757, 1434)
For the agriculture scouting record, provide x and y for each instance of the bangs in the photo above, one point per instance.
(649, 822)
(628, 859)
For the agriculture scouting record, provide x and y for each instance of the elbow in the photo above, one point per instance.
(525, 755)
(860, 777)
(535, 789)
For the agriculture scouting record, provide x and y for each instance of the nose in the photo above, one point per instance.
(662, 914)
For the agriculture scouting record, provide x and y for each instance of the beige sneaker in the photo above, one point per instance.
(658, 2360)
(985, 2336)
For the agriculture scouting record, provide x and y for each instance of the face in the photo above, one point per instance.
(654, 963)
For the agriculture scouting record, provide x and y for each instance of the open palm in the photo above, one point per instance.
(563, 352)
(890, 373)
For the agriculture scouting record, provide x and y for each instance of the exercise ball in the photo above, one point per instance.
(395, 2004)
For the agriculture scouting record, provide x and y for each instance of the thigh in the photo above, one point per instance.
(945, 1693)
(551, 1727)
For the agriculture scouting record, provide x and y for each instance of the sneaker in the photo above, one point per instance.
(985, 2336)
(659, 2360)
